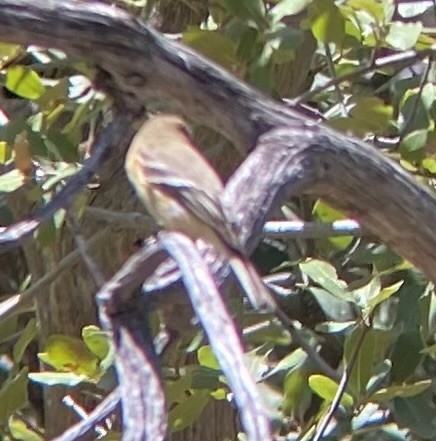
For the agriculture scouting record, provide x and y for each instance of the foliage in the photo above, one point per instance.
(365, 310)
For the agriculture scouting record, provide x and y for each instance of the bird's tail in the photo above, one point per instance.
(257, 292)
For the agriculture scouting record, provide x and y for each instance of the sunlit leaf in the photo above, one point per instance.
(288, 363)
(96, 340)
(326, 388)
(11, 181)
(326, 213)
(21, 431)
(58, 378)
(403, 36)
(69, 354)
(325, 275)
(24, 82)
(327, 22)
(207, 358)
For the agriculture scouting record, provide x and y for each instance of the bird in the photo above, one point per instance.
(181, 191)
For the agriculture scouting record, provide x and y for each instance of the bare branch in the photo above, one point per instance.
(105, 408)
(222, 334)
(14, 303)
(125, 314)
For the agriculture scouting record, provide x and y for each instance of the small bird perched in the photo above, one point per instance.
(181, 190)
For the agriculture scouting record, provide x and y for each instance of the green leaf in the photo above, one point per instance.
(327, 22)
(383, 295)
(412, 147)
(417, 414)
(175, 391)
(213, 45)
(372, 115)
(287, 364)
(429, 164)
(326, 213)
(248, 49)
(24, 82)
(20, 431)
(11, 181)
(219, 394)
(26, 337)
(58, 378)
(205, 378)
(334, 308)
(380, 256)
(187, 412)
(415, 109)
(248, 11)
(53, 99)
(365, 293)
(404, 391)
(407, 355)
(326, 388)
(13, 395)
(373, 351)
(284, 40)
(403, 36)
(8, 325)
(70, 354)
(207, 358)
(380, 373)
(96, 340)
(325, 275)
(297, 393)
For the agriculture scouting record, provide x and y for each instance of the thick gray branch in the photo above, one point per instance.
(350, 175)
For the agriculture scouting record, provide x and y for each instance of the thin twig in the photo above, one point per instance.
(14, 303)
(312, 230)
(423, 82)
(69, 402)
(106, 407)
(277, 229)
(83, 248)
(408, 58)
(331, 68)
(341, 387)
(300, 340)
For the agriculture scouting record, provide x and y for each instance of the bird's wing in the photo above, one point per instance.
(204, 204)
